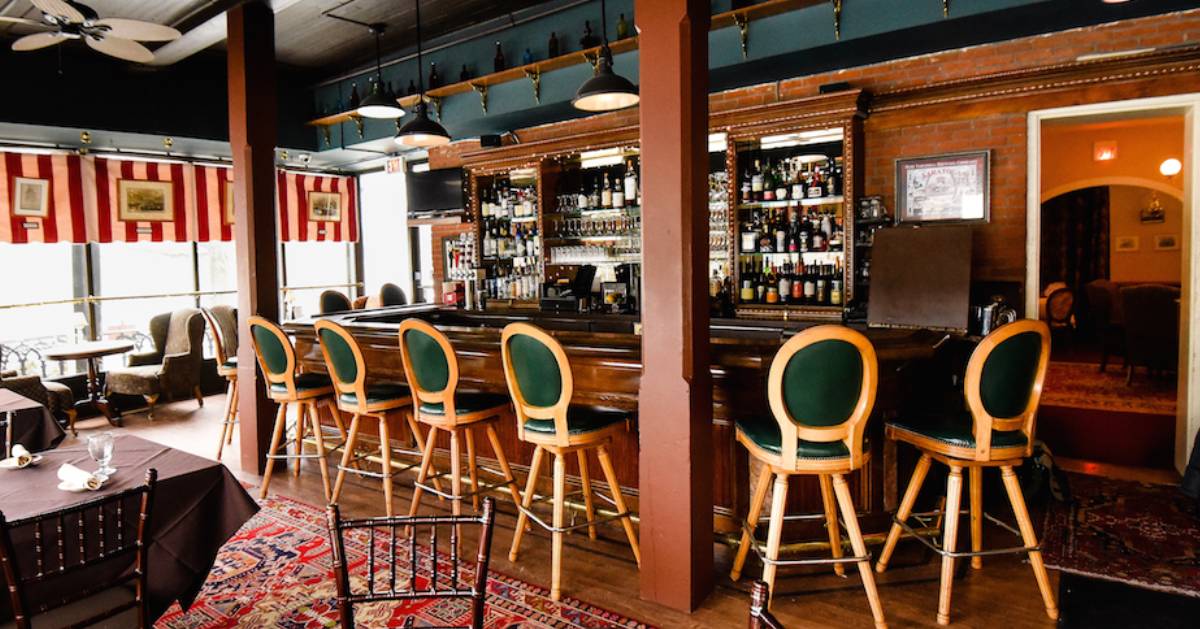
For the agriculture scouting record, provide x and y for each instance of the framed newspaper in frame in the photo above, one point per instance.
(31, 197)
(145, 201)
(949, 188)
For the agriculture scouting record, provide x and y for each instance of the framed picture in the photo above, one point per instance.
(228, 214)
(1166, 242)
(31, 197)
(1126, 244)
(943, 188)
(324, 207)
(151, 201)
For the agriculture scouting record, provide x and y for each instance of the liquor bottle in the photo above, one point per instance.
(822, 285)
(527, 58)
(488, 244)
(412, 88)
(810, 284)
(435, 79)
(581, 199)
(354, 99)
(816, 188)
(498, 60)
(618, 194)
(631, 183)
(797, 284)
(805, 236)
(552, 46)
(781, 187)
(756, 182)
(760, 284)
(747, 294)
(750, 236)
(785, 283)
(464, 74)
(747, 188)
(835, 285)
(798, 190)
(594, 196)
(793, 241)
(589, 39)
(606, 199)
(833, 183)
(714, 284)
(622, 27)
(780, 234)
(768, 182)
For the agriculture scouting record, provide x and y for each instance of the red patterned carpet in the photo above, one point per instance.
(1128, 532)
(276, 572)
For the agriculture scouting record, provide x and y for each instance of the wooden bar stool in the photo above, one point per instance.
(287, 386)
(821, 389)
(431, 368)
(348, 371)
(1002, 387)
(226, 368)
(541, 385)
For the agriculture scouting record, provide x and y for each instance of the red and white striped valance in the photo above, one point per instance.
(214, 203)
(41, 198)
(316, 207)
(139, 201)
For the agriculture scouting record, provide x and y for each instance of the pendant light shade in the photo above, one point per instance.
(607, 90)
(381, 103)
(422, 131)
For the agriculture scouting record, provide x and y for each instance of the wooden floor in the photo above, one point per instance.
(603, 573)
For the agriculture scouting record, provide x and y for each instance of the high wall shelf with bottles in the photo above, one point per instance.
(506, 206)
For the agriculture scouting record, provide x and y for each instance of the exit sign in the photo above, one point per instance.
(394, 165)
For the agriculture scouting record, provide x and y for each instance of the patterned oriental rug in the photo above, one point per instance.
(1132, 533)
(1081, 385)
(276, 572)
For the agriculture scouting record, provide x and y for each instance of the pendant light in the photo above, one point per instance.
(606, 90)
(421, 131)
(381, 102)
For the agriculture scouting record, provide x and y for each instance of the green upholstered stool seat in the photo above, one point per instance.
(378, 394)
(467, 403)
(304, 382)
(580, 420)
(955, 430)
(764, 432)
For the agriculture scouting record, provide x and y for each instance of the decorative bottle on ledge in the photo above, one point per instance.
(498, 61)
(552, 46)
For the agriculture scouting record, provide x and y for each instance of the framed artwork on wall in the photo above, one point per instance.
(228, 203)
(324, 207)
(1166, 242)
(951, 188)
(1126, 244)
(145, 201)
(31, 197)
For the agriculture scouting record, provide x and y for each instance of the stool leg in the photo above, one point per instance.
(756, 505)
(347, 454)
(225, 419)
(337, 417)
(456, 438)
(320, 438)
(586, 480)
(619, 501)
(276, 438)
(975, 486)
(385, 453)
(535, 467)
(953, 506)
(1030, 539)
(560, 487)
(831, 523)
(511, 480)
(775, 532)
(906, 506)
(423, 474)
(860, 548)
(472, 470)
(415, 426)
(233, 410)
(300, 430)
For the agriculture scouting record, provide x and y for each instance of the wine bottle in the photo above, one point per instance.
(589, 39)
(498, 60)
(527, 58)
(464, 75)
(622, 27)
(618, 194)
(354, 99)
(552, 46)
(756, 181)
(631, 183)
(412, 88)
(435, 79)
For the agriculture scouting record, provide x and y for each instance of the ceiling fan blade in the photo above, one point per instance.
(36, 41)
(60, 9)
(21, 20)
(126, 49)
(138, 30)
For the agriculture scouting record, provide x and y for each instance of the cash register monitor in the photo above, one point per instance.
(921, 278)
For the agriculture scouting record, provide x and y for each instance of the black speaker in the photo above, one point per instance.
(489, 141)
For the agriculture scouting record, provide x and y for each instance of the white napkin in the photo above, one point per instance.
(75, 477)
(20, 456)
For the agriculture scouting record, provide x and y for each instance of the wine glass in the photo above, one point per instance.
(100, 446)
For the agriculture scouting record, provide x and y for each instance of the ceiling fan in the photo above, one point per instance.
(68, 19)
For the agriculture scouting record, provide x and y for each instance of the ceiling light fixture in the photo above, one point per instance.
(422, 131)
(606, 90)
(381, 102)
(1170, 167)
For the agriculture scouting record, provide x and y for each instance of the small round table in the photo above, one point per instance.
(92, 352)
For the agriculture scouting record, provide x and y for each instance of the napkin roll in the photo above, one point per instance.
(21, 455)
(74, 476)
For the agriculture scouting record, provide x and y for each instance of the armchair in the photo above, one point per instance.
(172, 368)
(55, 396)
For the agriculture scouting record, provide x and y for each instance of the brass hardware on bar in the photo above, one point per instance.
(593, 58)
(358, 125)
(743, 24)
(482, 88)
(535, 77)
(85, 138)
(168, 143)
(437, 105)
(327, 135)
(837, 19)
(945, 8)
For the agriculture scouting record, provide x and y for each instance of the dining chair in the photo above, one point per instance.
(541, 385)
(225, 347)
(821, 391)
(288, 386)
(426, 573)
(99, 532)
(1002, 388)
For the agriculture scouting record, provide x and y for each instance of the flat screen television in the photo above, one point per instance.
(436, 192)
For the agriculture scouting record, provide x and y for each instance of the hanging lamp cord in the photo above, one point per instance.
(420, 63)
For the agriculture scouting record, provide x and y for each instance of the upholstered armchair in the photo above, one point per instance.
(173, 368)
(55, 396)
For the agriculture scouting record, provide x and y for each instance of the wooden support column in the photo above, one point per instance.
(252, 134)
(675, 400)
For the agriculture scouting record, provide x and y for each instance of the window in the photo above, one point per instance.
(385, 232)
(36, 309)
(132, 278)
(312, 268)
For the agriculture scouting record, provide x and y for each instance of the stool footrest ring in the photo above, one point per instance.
(933, 545)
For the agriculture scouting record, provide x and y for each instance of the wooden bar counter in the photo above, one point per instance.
(605, 354)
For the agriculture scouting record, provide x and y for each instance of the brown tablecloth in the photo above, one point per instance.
(33, 426)
(198, 505)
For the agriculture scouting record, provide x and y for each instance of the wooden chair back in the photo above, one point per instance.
(430, 365)
(802, 390)
(380, 583)
(218, 336)
(539, 377)
(100, 531)
(760, 616)
(1003, 383)
(344, 360)
(275, 353)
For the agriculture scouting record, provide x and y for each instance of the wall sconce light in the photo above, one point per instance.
(1104, 151)
(1170, 167)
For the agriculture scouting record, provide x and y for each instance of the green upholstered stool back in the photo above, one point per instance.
(341, 357)
(1009, 374)
(536, 370)
(429, 364)
(274, 353)
(822, 383)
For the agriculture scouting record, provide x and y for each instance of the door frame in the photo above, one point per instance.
(1187, 419)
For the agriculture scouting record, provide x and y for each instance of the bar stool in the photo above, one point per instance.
(287, 386)
(431, 368)
(1002, 387)
(541, 385)
(821, 390)
(348, 369)
(226, 368)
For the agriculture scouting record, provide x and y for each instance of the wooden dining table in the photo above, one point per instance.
(198, 505)
(92, 352)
